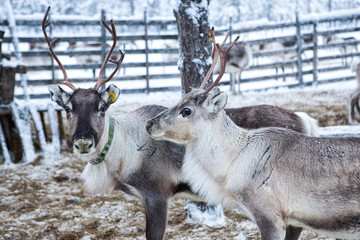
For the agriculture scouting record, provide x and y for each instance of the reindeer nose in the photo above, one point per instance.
(149, 125)
(83, 146)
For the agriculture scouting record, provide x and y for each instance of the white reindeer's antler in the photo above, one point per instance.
(218, 50)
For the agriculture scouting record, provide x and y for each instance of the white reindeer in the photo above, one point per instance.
(278, 177)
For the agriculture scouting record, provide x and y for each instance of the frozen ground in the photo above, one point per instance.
(45, 200)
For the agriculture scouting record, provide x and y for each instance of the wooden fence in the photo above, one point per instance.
(148, 34)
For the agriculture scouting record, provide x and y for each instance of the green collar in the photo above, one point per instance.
(103, 153)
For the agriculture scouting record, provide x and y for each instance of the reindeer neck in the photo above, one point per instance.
(224, 138)
(120, 156)
(209, 158)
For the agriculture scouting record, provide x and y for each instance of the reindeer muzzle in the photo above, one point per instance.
(84, 146)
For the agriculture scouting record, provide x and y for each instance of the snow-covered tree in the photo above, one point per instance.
(194, 45)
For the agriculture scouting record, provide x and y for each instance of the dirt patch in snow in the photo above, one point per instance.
(46, 200)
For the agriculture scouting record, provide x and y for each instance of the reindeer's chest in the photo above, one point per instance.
(205, 180)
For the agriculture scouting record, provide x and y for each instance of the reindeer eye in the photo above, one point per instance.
(103, 108)
(67, 109)
(185, 112)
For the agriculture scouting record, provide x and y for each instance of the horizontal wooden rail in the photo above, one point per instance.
(95, 38)
(71, 53)
(42, 82)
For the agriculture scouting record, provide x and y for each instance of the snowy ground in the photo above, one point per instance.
(45, 199)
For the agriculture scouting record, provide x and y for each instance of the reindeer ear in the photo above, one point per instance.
(218, 101)
(58, 95)
(111, 94)
(215, 102)
(216, 90)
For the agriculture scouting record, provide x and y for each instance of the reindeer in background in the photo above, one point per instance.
(236, 61)
(348, 48)
(281, 44)
(282, 57)
(89, 58)
(36, 59)
(354, 107)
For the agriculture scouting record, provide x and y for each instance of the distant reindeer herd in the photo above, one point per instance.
(266, 160)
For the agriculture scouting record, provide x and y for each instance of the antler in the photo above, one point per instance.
(51, 44)
(118, 62)
(217, 51)
(215, 55)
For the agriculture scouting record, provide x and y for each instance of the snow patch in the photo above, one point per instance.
(209, 215)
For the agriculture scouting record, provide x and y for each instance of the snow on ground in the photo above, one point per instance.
(45, 199)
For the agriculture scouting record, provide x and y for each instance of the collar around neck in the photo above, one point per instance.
(105, 150)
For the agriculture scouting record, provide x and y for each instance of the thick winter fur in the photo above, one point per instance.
(354, 97)
(279, 177)
(137, 156)
(136, 163)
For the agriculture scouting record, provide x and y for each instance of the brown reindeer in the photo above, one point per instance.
(121, 155)
(282, 180)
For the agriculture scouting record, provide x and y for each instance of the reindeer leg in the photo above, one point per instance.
(233, 84)
(357, 105)
(156, 217)
(354, 103)
(239, 79)
(268, 230)
(292, 233)
(345, 58)
(283, 71)
(236, 82)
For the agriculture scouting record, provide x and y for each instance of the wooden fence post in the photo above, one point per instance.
(146, 37)
(16, 43)
(315, 55)
(299, 50)
(1, 40)
(103, 47)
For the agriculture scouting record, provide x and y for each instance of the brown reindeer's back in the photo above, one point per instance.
(265, 116)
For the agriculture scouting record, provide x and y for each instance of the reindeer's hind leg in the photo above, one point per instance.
(354, 103)
(271, 226)
(269, 231)
(293, 233)
(156, 217)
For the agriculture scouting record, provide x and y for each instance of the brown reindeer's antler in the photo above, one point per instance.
(118, 62)
(216, 52)
(100, 80)
(51, 44)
